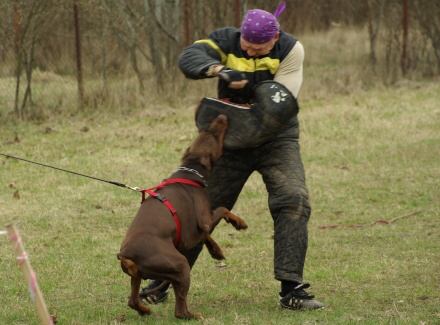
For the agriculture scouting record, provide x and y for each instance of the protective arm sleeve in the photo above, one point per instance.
(196, 59)
(290, 72)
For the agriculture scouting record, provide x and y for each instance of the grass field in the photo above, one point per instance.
(368, 156)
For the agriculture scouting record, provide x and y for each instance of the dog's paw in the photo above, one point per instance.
(237, 223)
(241, 225)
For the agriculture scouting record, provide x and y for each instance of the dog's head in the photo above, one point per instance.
(208, 146)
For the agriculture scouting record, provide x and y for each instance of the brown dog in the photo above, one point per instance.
(151, 247)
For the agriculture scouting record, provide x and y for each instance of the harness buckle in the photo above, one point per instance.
(160, 197)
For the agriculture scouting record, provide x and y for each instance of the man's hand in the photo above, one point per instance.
(234, 78)
(230, 75)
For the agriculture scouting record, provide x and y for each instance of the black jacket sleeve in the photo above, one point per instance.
(196, 59)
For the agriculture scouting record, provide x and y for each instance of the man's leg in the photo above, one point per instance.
(283, 173)
(228, 177)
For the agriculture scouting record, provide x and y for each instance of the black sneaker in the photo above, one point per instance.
(300, 299)
(156, 297)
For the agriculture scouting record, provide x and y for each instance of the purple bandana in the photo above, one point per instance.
(260, 26)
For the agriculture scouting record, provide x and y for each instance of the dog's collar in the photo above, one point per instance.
(186, 169)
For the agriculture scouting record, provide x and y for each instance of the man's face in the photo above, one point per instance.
(256, 50)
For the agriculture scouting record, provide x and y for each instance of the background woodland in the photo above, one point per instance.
(58, 56)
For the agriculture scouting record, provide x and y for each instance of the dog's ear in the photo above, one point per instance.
(206, 161)
(185, 155)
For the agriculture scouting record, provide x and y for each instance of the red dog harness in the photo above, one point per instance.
(163, 199)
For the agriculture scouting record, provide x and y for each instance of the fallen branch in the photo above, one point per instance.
(405, 216)
(373, 223)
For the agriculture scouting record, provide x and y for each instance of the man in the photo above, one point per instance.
(241, 59)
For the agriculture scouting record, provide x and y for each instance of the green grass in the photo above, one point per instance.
(368, 156)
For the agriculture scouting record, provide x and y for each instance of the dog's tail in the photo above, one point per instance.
(128, 266)
(146, 293)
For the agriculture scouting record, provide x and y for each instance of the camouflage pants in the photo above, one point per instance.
(279, 163)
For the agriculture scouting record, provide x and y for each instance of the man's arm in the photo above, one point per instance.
(290, 72)
(203, 60)
(196, 59)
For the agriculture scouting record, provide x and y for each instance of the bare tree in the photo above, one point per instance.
(126, 22)
(163, 35)
(8, 20)
(31, 17)
(404, 62)
(375, 12)
(428, 13)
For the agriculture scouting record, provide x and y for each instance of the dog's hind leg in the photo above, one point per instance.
(129, 267)
(134, 300)
(223, 213)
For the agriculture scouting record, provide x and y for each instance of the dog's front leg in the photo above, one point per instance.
(223, 213)
(214, 249)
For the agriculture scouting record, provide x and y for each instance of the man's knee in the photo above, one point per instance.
(294, 202)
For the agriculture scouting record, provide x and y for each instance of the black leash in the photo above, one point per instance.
(68, 171)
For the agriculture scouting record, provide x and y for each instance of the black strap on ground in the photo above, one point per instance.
(75, 173)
